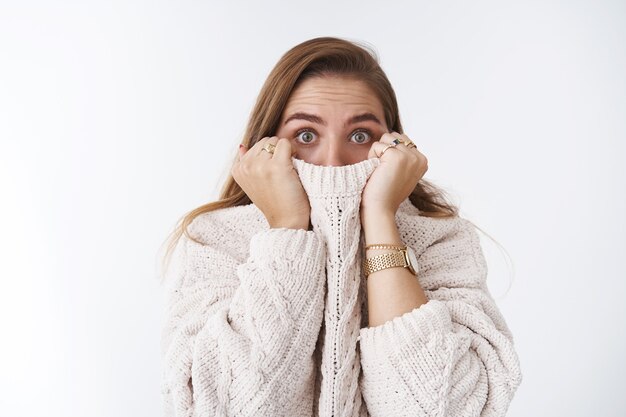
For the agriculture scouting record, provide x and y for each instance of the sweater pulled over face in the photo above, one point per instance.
(273, 322)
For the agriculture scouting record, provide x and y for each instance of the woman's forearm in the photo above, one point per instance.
(391, 292)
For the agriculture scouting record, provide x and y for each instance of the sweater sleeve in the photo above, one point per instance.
(452, 356)
(239, 337)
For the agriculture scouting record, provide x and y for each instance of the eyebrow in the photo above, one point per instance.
(316, 119)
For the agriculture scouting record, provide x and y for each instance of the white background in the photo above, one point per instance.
(116, 117)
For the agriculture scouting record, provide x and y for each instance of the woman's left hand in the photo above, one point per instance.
(396, 176)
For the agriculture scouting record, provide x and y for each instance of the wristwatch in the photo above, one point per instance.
(404, 257)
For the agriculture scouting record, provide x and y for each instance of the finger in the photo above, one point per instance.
(265, 153)
(371, 153)
(390, 137)
(387, 137)
(253, 151)
(374, 151)
(284, 150)
(378, 148)
(404, 138)
(258, 151)
(246, 150)
(241, 150)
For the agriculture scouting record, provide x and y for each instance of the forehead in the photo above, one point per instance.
(335, 91)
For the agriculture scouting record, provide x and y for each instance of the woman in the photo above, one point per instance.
(282, 308)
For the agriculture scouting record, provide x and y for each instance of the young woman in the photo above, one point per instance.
(331, 279)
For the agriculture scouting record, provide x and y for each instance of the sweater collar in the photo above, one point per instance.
(345, 180)
(321, 181)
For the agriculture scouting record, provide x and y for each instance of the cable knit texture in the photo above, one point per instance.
(273, 322)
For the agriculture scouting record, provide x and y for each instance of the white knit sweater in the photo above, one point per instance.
(273, 322)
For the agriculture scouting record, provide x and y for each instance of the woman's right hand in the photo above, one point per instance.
(272, 183)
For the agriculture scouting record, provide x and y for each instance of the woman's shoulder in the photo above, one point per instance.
(423, 230)
(412, 216)
(217, 240)
(227, 225)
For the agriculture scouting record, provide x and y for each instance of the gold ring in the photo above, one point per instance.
(269, 147)
(387, 147)
(409, 144)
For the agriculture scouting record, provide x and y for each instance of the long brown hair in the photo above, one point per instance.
(313, 58)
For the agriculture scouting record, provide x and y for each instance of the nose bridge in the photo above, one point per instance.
(334, 151)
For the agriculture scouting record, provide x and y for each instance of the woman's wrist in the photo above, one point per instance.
(379, 226)
(291, 224)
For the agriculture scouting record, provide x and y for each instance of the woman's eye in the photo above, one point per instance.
(362, 136)
(306, 136)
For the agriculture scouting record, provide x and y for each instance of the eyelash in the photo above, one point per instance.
(369, 132)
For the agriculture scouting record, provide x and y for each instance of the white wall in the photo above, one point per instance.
(116, 117)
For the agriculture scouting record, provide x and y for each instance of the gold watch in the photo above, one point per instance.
(404, 257)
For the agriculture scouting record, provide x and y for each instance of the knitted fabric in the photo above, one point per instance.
(273, 322)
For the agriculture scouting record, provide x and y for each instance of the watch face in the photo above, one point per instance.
(412, 258)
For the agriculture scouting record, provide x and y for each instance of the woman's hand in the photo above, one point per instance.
(272, 183)
(396, 176)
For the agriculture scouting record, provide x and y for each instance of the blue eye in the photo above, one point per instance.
(306, 141)
(359, 133)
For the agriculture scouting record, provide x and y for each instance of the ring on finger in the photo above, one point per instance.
(392, 145)
(409, 144)
(269, 147)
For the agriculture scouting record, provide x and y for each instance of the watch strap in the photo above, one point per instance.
(384, 246)
(384, 261)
